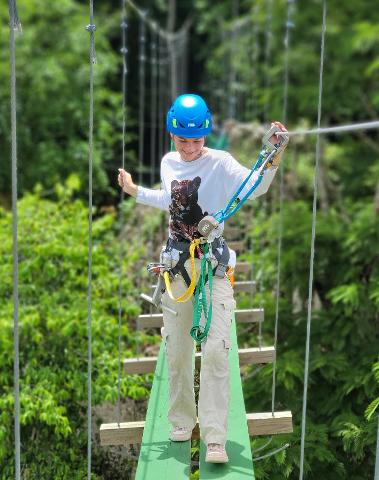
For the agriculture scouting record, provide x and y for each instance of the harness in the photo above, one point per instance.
(184, 247)
(219, 250)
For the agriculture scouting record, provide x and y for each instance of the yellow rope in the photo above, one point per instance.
(189, 292)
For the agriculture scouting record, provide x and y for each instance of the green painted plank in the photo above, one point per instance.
(240, 465)
(159, 457)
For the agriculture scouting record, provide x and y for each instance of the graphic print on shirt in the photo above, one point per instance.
(185, 212)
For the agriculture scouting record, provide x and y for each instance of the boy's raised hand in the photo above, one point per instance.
(275, 138)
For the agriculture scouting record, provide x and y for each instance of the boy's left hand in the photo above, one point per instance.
(275, 138)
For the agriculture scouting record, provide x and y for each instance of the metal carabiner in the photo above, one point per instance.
(275, 147)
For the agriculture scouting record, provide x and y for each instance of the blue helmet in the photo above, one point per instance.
(189, 117)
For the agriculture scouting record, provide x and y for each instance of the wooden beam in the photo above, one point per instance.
(246, 286)
(155, 320)
(247, 356)
(257, 423)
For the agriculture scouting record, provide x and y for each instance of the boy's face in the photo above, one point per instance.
(188, 148)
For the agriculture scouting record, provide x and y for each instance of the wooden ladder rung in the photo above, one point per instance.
(250, 315)
(155, 320)
(237, 245)
(232, 232)
(247, 356)
(258, 424)
(242, 267)
(245, 286)
(150, 320)
(268, 424)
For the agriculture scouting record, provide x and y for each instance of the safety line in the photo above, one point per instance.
(374, 124)
(312, 254)
(91, 28)
(14, 24)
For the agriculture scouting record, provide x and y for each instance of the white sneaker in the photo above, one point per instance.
(180, 434)
(216, 453)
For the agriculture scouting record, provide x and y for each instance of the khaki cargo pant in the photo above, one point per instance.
(214, 392)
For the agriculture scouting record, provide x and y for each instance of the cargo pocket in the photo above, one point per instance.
(227, 344)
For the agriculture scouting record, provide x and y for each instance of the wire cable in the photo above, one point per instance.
(312, 254)
(267, 51)
(91, 28)
(15, 25)
(124, 52)
(154, 98)
(272, 453)
(141, 102)
(289, 25)
(153, 25)
(232, 105)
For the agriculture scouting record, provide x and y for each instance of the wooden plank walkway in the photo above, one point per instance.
(240, 465)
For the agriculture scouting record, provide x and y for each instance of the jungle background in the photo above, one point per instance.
(232, 53)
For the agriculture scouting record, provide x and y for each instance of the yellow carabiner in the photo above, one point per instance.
(189, 292)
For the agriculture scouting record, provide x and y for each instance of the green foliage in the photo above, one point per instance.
(53, 270)
(342, 397)
(52, 85)
(52, 61)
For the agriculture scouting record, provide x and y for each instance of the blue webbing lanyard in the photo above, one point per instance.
(224, 214)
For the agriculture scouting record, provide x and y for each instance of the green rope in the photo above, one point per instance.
(199, 332)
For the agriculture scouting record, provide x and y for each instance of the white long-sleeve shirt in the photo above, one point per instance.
(191, 190)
